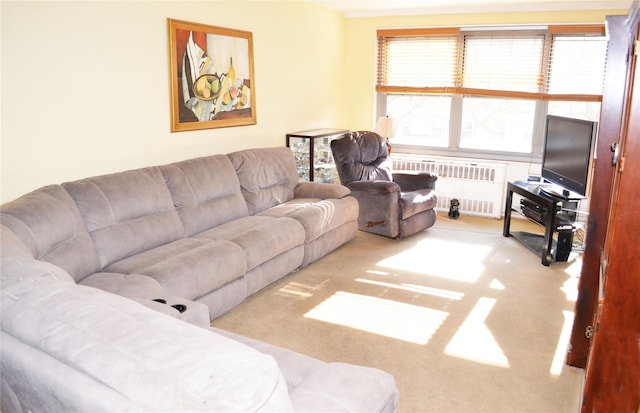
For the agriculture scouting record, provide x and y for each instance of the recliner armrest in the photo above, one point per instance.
(412, 181)
(374, 186)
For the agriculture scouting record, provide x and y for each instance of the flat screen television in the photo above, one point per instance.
(567, 154)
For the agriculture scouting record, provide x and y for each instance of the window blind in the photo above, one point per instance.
(418, 60)
(509, 61)
(573, 68)
(561, 63)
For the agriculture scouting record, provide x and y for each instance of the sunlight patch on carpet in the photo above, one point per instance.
(387, 318)
(474, 341)
(496, 285)
(453, 260)
(575, 268)
(563, 344)
(420, 289)
(570, 287)
(300, 290)
(378, 272)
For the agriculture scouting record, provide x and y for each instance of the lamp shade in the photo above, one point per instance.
(385, 127)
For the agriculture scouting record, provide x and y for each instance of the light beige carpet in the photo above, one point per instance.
(463, 318)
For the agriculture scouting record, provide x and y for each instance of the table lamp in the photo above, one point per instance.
(386, 128)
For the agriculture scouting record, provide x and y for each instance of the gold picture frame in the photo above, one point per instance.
(211, 77)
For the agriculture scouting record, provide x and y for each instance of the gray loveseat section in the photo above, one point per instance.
(79, 258)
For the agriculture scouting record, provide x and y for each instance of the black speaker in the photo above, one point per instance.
(564, 244)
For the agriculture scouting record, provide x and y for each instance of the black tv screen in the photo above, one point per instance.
(567, 152)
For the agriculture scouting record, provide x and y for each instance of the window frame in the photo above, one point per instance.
(457, 91)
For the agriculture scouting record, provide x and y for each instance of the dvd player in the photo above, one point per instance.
(533, 214)
(526, 203)
(538, 214)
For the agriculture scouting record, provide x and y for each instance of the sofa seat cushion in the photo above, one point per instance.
(317, 386)
(295, 367)
(261, 237)
(205, 191)
(49, 223)
(317, 216)
(341, 387)
(412, 203)
(189, 267)
(101, 352)
(126, 212)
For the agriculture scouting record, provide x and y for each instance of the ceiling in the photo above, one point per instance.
(371, 8)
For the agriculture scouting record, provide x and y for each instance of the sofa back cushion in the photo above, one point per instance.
(12, 246)
(268, 176)
(49, 223)
(126, 212)
(205, 191)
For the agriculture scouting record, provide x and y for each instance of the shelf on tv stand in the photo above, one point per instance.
(536, 243)
(556, 191)
(543, 245)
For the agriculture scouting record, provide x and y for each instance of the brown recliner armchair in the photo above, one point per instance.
(395, 205)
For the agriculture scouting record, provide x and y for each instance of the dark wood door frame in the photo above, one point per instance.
(612, 377)
(599, 202)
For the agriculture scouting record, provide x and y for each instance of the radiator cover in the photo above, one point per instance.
(479, 186)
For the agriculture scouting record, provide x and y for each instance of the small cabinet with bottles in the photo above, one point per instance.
(312, 151)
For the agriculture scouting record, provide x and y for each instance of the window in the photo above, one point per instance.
(497, 125)
(424, 119)
(486, 92)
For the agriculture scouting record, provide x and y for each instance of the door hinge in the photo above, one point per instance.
(615, 148)
(588, 332)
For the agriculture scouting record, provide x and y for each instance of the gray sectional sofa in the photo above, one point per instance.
(109, 284)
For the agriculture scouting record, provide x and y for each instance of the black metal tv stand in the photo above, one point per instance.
(543, 208)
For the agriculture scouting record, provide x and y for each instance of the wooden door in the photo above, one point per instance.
(613, 369)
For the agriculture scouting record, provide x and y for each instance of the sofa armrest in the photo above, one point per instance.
(320, 190)
(412, 181)
(191, 311)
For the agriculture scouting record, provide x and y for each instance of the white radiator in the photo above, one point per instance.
(479, 186)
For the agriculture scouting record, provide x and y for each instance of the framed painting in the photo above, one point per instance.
(212, 83)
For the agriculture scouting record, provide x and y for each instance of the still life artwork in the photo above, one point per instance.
(211, 77)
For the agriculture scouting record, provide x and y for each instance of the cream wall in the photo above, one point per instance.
(84, 85)
(360, 47)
